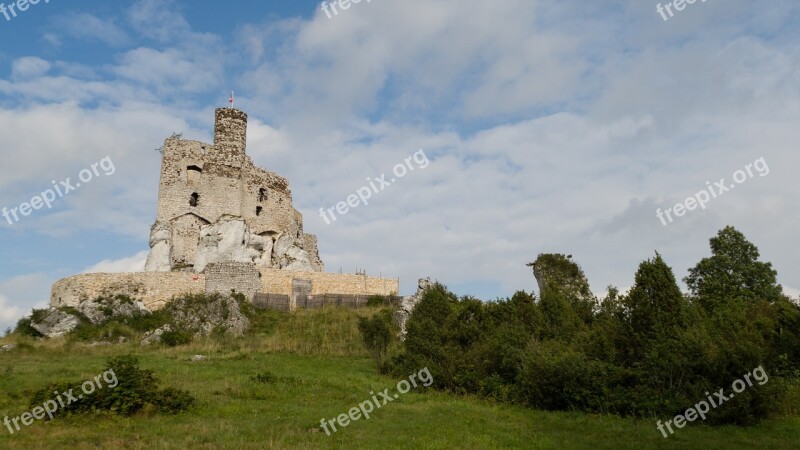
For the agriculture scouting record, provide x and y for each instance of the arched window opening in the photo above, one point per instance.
(193, 174)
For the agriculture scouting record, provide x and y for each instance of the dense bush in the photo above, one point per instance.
(377, 332)
(135, 389)
(653, 352)
(176, 337)
(24, 327)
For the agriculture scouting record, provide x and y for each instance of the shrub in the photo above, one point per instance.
(376, 300)
(25, 328)
(556, 377)
(377, 334)
(649, 353)
(172, 401)
(176, 337)
(135, 389)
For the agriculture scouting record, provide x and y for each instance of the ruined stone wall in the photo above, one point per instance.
(202, 184)
(313, 251)
(275, 281)
(271, 212)
(180, 178)
(152, 288)
(241, 277)
(155, 289)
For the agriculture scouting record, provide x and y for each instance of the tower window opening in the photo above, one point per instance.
(258, 210)
(262, 194)
(194, 199)
(193, 174)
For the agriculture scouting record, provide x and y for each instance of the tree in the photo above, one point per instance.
(732, 272)
(377, 334)
(655, 306)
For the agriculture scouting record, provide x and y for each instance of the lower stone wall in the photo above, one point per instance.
(153, 289)
(276, 281)
(227, 276)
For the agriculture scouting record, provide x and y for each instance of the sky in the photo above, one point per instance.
(548, 126)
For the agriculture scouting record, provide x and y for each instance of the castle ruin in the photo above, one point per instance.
(214, 206)
(222, 224)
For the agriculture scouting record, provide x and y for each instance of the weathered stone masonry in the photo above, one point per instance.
(156, 289)
(221, 224)
(215, 206)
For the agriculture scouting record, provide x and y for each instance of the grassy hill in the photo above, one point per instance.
(270, 390)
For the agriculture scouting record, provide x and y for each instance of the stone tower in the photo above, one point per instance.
(230, 137)
(215, 206)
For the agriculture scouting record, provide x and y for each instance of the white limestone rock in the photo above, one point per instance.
(158, 258)
(56, 323)
(98, 312)
(297, 260)
(160, 239)
(154, 337)
(408, 304)
(225, 241)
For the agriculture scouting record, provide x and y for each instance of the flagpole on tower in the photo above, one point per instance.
(230, 100)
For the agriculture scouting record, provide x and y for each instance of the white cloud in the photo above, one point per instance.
(89, 27)
(9, 314)
(792, 292)
(20, 294)
(28, 67)
(133, 263)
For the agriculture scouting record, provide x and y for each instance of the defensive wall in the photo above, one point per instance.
(155, 289)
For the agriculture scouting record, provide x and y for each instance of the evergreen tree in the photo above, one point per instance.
(655, 306)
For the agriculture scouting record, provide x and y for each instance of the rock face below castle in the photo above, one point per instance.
(215, 206)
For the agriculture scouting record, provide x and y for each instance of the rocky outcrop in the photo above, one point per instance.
(408, 303)
(100, 311)
(204, 315)
(312, 249)
(159, 259)
(225, 241)
(154, 337)
(230, 240)
(558, 271)
(288, 254)
(57, 322)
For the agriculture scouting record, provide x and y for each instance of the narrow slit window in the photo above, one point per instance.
(194, 199)
(258, 210)
(262, 194)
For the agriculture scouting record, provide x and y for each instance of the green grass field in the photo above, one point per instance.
(322, 371)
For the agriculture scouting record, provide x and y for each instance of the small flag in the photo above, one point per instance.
(230, 100)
